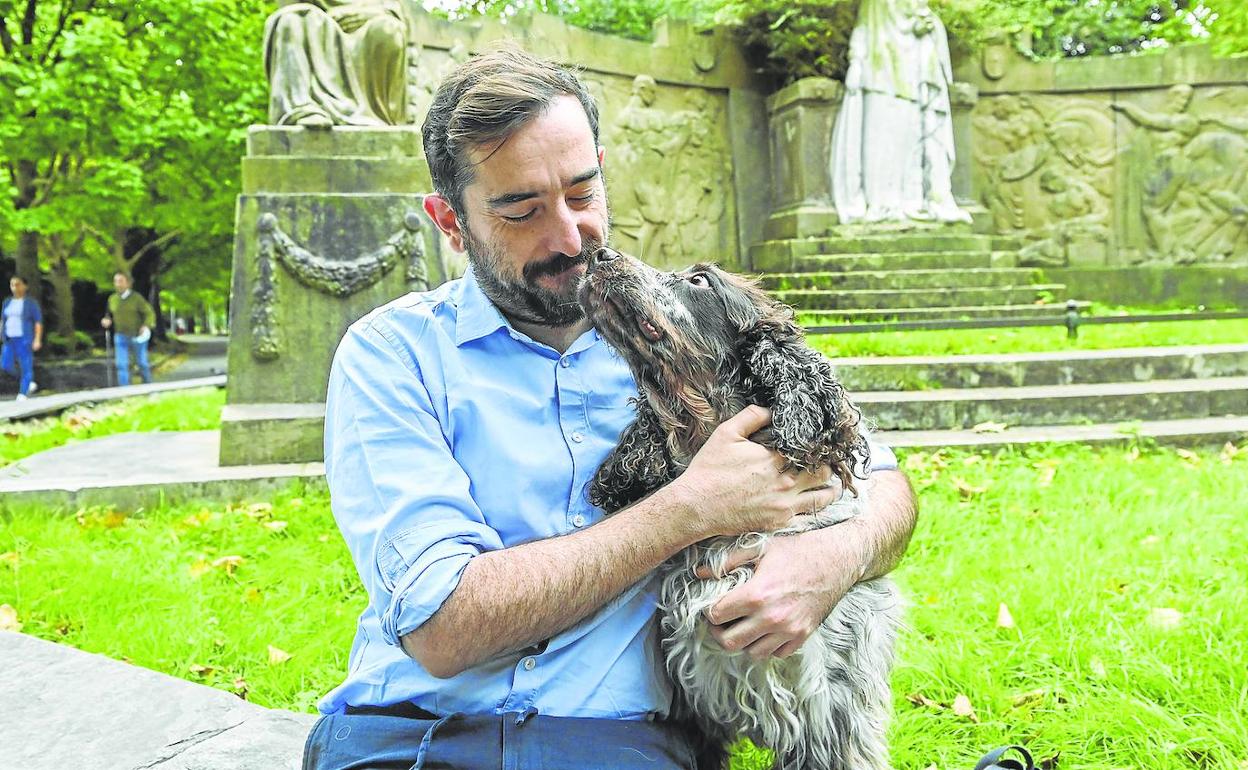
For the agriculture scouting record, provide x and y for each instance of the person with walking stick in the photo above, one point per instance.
(133, 318)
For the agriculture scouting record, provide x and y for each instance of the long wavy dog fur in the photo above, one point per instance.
(702, 344)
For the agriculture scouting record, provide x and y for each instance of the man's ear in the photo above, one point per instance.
(440, 211)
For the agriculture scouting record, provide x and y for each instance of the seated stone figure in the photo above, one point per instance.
(337, 62)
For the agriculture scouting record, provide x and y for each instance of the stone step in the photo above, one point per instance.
(964, 408)
(1201, 431)
(902, 279)
(932, 260)
(1066, 367)
(972, 312)
(915, 298)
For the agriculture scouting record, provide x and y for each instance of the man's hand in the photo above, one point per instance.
(106, 322)
(739, 484)
(37, 345)
(796, 583)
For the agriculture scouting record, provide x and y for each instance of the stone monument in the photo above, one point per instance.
(893, 143)
(329, 224)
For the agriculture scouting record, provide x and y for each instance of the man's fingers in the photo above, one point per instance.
(748, 421)
(815, 500)
(765, 646)
(737, 558)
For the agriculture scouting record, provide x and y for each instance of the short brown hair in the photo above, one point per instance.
(486, 99)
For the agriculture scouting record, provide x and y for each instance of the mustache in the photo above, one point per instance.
(558, 263)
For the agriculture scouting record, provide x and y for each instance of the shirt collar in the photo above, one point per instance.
(477, 316)
(126, 293)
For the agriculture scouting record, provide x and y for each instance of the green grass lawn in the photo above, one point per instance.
(196, 409)
(1031, 339)
(1124, 573)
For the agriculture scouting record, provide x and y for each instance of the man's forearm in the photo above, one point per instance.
(510, 599)
(883, 531)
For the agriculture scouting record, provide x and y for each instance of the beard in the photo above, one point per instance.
(522, 298)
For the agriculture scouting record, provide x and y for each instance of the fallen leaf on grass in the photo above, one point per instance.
(1004, 618)
(109, 519)
(966, 490)
(963, 708)
(919, 699)
(1048, 469)
(1165, 618)
(229, 563)
(8, 618)
(1097, 666)
(199, 568)
(323, 539)
(1150, 540)
(259, 510)
(202, 671)
(1189, 457)
(1229, 452)
(989, 426)
(11, 558)
(1028, 698)
(253, 595)
(1050, 762)
(277, 656)
(276, 526)
(1132, 454)
(240, 688)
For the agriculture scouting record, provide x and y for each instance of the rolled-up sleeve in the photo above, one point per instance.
(399, 497)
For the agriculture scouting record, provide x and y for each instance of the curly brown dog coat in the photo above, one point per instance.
(702, 344)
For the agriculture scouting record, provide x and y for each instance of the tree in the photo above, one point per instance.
(117, 116)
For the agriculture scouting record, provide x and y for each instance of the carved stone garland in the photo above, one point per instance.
(338, 278)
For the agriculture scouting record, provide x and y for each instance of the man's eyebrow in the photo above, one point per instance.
(515, 197)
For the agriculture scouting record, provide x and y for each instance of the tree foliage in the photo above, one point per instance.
(120, 117)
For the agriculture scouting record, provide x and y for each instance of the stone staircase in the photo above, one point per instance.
(927, 273)
(1186, 396)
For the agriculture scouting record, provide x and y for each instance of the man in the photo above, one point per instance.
(133, 318)
(509, 623)
(22, 333)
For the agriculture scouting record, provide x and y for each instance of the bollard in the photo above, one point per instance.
(1072, 319)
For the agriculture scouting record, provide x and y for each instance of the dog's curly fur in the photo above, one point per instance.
(703, 344)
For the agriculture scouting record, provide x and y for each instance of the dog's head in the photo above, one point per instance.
(702, 343)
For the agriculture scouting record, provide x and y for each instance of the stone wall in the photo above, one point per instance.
(682, 121)
(1114, 160)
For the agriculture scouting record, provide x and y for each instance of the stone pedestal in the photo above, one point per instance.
(801, 117)
(328, 227)
(962, 100)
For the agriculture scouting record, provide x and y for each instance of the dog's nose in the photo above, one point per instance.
(606, 255)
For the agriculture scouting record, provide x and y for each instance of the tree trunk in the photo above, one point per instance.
(62, 294)
(27, 242)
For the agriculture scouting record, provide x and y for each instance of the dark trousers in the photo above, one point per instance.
(377, 739)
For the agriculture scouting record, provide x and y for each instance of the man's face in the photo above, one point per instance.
(121, 283)
(17, 287)
(535, 211)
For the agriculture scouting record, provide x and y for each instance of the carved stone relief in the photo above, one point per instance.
(1185, 155)
(1046, 164)
(335, 277)
(668, 171)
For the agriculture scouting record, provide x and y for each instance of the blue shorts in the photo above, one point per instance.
(513, 741)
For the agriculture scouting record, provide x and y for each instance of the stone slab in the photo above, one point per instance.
(38, 406)
(1063, 367)
(1205, 431)
(67, 708)
(897, 299)
(961, 312)
(955, 409)
(266, 433)
(903, 279)
(134, 470)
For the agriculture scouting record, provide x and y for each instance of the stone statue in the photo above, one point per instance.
(892, 146)
(337, 62)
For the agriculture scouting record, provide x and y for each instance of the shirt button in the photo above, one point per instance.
(577, 437)
(529, 664)
(564, 362)
(578, 520)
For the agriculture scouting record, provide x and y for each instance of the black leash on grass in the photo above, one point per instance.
(993, 761)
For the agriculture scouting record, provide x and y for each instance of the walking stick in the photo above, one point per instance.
(108, 350)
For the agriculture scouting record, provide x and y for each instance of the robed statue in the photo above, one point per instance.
(337, 62)
(892, 145)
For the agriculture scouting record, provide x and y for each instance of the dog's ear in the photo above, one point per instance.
(637, 466)
(813, 422)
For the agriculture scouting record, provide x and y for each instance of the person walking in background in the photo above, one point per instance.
(23, 336)
(132, 319)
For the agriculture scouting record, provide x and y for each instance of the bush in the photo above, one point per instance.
(787, 40)
(59, 345)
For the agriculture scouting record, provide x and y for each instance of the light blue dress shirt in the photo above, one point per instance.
(448, 434)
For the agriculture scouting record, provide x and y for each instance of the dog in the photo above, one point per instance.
(702, 344)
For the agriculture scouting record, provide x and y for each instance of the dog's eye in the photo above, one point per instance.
(700, 280)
